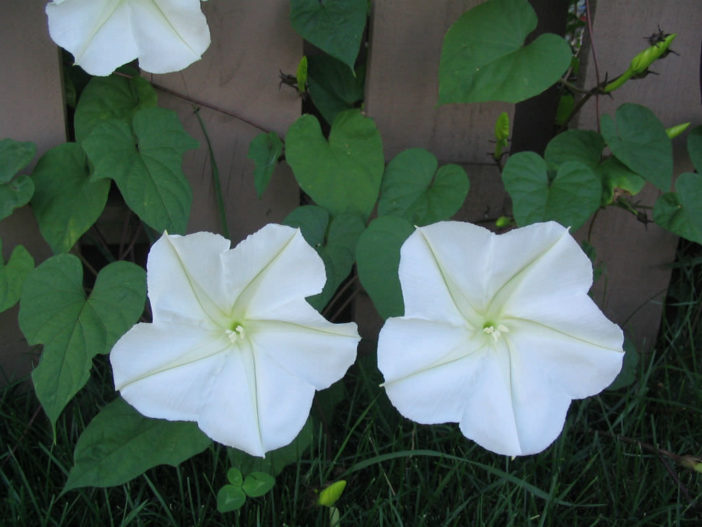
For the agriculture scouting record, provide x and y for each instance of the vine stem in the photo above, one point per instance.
(588, 14)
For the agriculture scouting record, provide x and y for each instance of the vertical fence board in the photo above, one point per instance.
(31, 109)
(638, 257)
(236, 85)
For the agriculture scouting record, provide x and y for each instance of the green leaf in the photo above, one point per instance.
(13, 275)
(54, 312)
(637, 138)
(334, 26)
(483, 57)
(694, 147)
(257, 484)
(335, 241)
(113, 97)
(119, 444)
(377, 261)
(681, 212)
(66, 201)
(276, 460)
(575, 145)
(230, 498)
(14, 156)
(414, 189)
(264, 151)
(566, 105)
(331, 494)
(147, 170)
(569, 197)
(343, 174)
(235, 477)
(15, 192)
(312, 221)
(617, 176)
(627, 375)
(333, 87)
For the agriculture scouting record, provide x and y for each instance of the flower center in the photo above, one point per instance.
(236, 333)
(494, 330)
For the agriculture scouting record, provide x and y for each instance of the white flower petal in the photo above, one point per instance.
(272, 267)
(550, 267)
(428, 367)
(171, 34)
(102, 35)
(186, 278)
(166, 372)
(305, 344)
(507, 415)
(96, 32)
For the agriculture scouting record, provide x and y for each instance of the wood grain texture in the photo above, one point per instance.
(31, 109)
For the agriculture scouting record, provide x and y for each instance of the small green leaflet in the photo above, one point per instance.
(54, 312)
(334, 26)
(264, 150)
(14, 191)
(145, 162)
(344, 173)
(113, 97)
(638, 139)
(483, 57)
(13, 274)
(120, 444)
(377, 261)
(568, 197)
(414, 189)
(66, 201)
(681, 211)
(233, 495)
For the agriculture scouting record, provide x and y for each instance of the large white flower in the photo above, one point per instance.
(498, 335)
(233, 344)
(102, 35)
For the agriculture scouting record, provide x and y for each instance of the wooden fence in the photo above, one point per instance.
(236, 87)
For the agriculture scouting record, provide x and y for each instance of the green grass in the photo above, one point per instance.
(614, 464)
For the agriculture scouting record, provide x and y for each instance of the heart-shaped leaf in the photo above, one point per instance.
(377, 261)
(343, 174)
(113, 97)
(54, 312)
(120, 444)
(333, 87)
(414, 189)
(483, 57)
(575, 145)
(14, 156)
(637, 138)
(145, 162)
(681, 212)
(569, 197)
(66, 201)
(335, 240)
(13, 275)
(230, 498)
(264, 151)
(257, 484)
(334, 26)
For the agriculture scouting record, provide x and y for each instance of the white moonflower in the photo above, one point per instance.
(102, 35)
(498, 335)
(233, 345)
